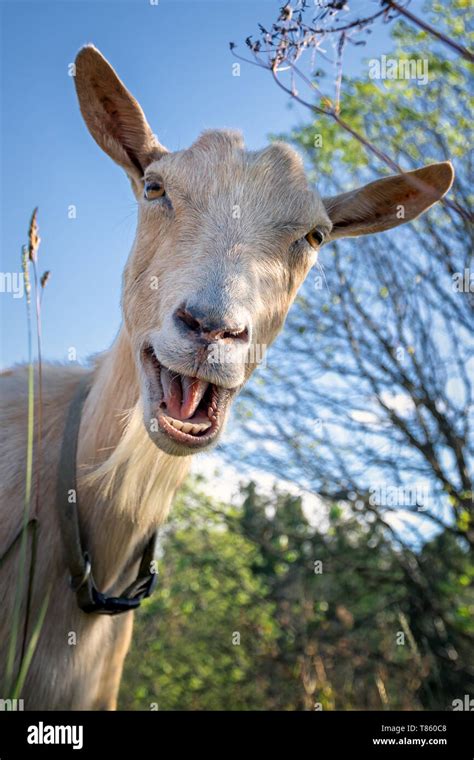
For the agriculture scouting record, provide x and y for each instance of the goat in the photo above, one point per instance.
(225, 238)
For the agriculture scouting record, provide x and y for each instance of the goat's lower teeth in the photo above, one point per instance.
(188, 427)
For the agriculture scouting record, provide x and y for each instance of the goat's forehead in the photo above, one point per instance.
(225, 149)
(218, 164)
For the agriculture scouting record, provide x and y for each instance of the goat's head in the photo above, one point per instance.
(225, 238)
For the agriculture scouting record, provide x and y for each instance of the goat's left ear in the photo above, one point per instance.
(388, 202)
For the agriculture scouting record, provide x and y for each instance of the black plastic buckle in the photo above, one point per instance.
(115, 605)
(110, 605)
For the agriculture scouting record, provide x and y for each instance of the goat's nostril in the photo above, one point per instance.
(188, 319)
(209, 328)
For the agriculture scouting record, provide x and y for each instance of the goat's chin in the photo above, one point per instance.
(176, 442)
(177, 449)
(182, 415)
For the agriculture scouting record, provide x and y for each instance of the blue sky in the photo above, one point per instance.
(175, 59)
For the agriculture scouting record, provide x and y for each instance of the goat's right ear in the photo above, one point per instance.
(113, 116)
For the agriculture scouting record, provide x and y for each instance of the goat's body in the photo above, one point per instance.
(79, 657)
(224, 240)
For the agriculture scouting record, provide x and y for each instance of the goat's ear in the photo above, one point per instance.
(113, 116)
(388, 202)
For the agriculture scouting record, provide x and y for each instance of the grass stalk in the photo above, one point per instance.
(12, 646)
(15, 685)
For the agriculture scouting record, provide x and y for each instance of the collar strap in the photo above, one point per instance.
(89, 598)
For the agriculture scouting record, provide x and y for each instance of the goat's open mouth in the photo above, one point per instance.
(189, 410)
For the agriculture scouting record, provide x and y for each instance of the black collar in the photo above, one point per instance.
(79, 562)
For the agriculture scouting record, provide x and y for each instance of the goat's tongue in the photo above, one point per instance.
(181, 394)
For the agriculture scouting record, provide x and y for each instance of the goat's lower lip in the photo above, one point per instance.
(211, 408)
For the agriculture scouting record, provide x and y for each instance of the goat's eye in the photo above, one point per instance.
(315, 238)
(154, 190)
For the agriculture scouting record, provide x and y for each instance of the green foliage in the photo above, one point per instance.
(258, 608)
(207, 601)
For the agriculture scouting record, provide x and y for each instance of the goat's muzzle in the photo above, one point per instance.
(183, 414)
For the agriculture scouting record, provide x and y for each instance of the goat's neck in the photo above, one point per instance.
(129, 491)
(114, 392)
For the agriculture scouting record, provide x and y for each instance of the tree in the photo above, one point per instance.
(258, 607)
